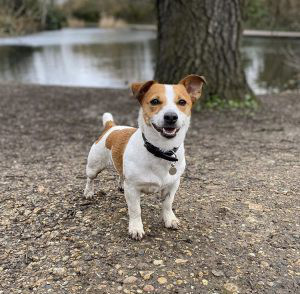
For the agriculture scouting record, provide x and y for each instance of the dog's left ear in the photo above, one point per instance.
(140, 89)
(193, 85)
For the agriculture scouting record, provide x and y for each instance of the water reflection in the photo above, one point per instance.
(113, 58)
(267, 64)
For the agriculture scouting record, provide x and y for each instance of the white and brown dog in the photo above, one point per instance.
(151, 157)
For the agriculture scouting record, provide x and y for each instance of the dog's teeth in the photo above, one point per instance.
(169, 132)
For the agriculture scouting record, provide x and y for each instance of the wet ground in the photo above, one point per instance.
(238, 201)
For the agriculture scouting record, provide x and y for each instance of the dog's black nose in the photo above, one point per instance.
(170, 118)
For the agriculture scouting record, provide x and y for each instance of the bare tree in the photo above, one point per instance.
(202, 37)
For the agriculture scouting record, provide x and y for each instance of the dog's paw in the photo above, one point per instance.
(88, 193)
(171, 222)
(136, 231)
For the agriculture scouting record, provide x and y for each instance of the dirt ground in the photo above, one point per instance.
(238, 201)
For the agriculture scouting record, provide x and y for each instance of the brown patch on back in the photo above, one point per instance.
(117, 141)
(109, 124)
(156, 91)
(181, 93)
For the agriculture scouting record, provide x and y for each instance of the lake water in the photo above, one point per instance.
(113, 58)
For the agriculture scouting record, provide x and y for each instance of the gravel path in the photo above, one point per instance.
(238, 201)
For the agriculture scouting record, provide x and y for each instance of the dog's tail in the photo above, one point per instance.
(107, 117)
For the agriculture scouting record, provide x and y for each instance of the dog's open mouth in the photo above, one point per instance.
(166, 132)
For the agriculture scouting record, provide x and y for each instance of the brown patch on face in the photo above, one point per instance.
(107, 126)
(117, 141)
(182, 94)
(157, 91)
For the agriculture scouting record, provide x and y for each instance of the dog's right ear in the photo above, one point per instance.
(140, 89)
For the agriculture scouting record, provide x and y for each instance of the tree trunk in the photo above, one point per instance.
(202, 37)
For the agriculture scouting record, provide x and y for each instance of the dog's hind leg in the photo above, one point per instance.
(98, 160)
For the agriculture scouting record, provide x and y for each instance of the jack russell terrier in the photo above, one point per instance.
(150, 158)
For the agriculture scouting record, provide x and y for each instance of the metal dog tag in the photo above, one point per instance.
(172, 170)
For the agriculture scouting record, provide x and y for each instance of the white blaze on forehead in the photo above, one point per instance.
(170, 94)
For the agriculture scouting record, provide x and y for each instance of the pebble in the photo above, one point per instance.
(162, 280)
(180, 261)
(204, 282)
(217, 273)
(59, 271)
(146, 275)
(231, 288)
(256, 207)
(264, 264)
(130, 280)
(148, 288)
(158, 262)
(171, 274)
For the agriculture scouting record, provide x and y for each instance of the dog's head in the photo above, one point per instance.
(166, 109)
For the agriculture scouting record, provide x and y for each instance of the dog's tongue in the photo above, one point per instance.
(169, 131)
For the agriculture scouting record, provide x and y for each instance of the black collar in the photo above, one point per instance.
(169, 155)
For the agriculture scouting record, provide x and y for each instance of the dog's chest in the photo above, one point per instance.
(150, 174)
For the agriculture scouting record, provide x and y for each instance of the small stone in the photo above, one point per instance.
(117, 266)
(264, 264)
(217, 273)
(158, 262)
(59, 271)
(65, 258)
(101, 287)
(204, 282)
(171, 274)
(179, 282)
(148, 288)
(200, 275)
(271, 284)
(188, 252)
(139, 291)
(260, 283)
(41, 189)
(231, 288)
(27, 212)
(162, 280)
(180, 261)
(146, 275)
(256, 207)
(130, 280)
(78, 270)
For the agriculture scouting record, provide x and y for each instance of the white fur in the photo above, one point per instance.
(142, 171)
(107, 117)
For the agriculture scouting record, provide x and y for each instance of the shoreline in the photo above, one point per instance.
(150, 27)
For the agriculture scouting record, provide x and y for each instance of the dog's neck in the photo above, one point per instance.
(157, 140)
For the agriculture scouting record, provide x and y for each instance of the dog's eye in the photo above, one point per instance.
(181, 102)
(155, 101)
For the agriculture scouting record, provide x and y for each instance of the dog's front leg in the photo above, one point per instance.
(133, 197)
(170, 219)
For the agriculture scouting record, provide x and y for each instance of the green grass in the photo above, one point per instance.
(216, 102)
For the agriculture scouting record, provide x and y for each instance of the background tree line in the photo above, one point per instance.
(26, 16)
